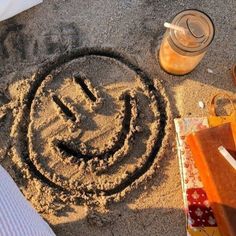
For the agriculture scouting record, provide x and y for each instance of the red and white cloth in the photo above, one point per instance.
(200, 220)
(17, 216)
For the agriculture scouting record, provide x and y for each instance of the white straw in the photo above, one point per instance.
(174, 27)
(227, 156)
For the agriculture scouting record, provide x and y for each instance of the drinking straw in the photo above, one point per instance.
(174, 27)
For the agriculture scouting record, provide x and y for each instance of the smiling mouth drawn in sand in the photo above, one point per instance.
(80, 150)
(95, 127)
(88, 153)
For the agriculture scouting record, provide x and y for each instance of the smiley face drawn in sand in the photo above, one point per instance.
(96, 124)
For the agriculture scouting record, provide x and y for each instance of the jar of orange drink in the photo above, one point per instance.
(185, 42)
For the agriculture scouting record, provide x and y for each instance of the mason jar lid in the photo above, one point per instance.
(197, 31)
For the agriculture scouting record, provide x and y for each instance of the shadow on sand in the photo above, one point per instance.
(125, 221)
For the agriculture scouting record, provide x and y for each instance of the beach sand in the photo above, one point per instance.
(86, 113)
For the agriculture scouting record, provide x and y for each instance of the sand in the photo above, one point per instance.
(86, 113)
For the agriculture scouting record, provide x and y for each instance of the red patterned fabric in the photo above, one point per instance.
(198, 208)
(199, 216)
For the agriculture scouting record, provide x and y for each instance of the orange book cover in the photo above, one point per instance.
(217, 175)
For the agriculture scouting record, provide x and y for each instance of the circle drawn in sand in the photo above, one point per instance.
(95, 124)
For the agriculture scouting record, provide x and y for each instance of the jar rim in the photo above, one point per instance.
(174, 41)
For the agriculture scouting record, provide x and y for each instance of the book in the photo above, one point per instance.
(200, 219)
(216, 172)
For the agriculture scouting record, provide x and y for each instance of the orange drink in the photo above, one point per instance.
(185, 44)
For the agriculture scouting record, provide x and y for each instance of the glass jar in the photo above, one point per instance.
(184, 45)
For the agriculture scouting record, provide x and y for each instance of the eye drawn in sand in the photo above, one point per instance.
(95, 124)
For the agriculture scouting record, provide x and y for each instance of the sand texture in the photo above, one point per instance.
(86, 113)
